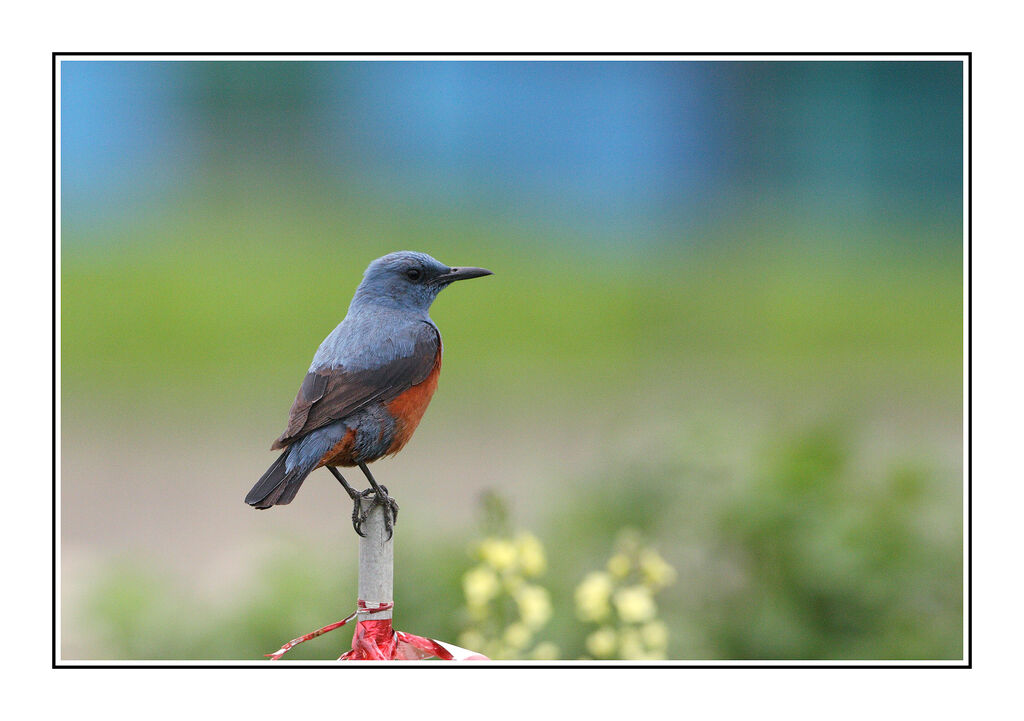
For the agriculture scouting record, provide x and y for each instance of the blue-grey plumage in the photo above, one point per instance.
(370, 380)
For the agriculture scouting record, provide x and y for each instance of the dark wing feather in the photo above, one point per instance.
(332, 394)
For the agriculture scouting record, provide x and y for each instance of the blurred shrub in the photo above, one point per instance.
(836, 566)
(137, 612)
(809, 556)
(505, 606)
(507, 610)
(633, 575)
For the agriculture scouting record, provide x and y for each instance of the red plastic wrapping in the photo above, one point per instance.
(376, 640)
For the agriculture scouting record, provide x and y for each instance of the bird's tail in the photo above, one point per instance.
(279, 484)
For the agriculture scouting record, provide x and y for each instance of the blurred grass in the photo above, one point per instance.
(204, 306)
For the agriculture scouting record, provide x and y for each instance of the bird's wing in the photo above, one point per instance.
(331, 394)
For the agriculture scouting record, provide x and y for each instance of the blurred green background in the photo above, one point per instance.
(727, 311)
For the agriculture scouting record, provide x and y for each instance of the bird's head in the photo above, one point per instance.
(409, 280)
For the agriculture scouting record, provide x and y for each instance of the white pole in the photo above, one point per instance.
(376, 560)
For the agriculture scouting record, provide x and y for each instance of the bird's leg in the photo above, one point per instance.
(355, 495)
(381, 498)
(352, 493)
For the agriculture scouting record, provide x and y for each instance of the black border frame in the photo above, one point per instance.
(967, 58)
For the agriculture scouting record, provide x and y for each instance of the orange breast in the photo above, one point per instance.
(408, 408)
(341, 454)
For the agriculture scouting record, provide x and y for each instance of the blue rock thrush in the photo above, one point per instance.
(369, 383)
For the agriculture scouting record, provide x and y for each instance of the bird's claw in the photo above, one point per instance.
(357, 520)
(380, 498)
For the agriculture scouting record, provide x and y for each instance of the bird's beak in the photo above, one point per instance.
(463, 274)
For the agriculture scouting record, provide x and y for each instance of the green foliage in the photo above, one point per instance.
(835, 566)
(137, 614)
(808, 558)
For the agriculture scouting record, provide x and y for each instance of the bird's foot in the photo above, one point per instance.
(356, 496)
(380, 498)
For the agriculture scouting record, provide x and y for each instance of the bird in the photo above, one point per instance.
(368, 386)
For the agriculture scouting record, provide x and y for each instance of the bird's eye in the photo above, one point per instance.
(413, 274)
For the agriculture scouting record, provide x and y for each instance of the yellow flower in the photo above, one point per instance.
(656, 571)
(630, 646)
(517, 635)
(654, 634)
(498, 552)
(618, 565)
(534, 605)
(511, 582)
(480, 584)
(634, 604)
(592, 596)
(601, 642)
(531, 554)
(545, 651)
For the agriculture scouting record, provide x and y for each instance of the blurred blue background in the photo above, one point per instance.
(731, 291)
(614, 152)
